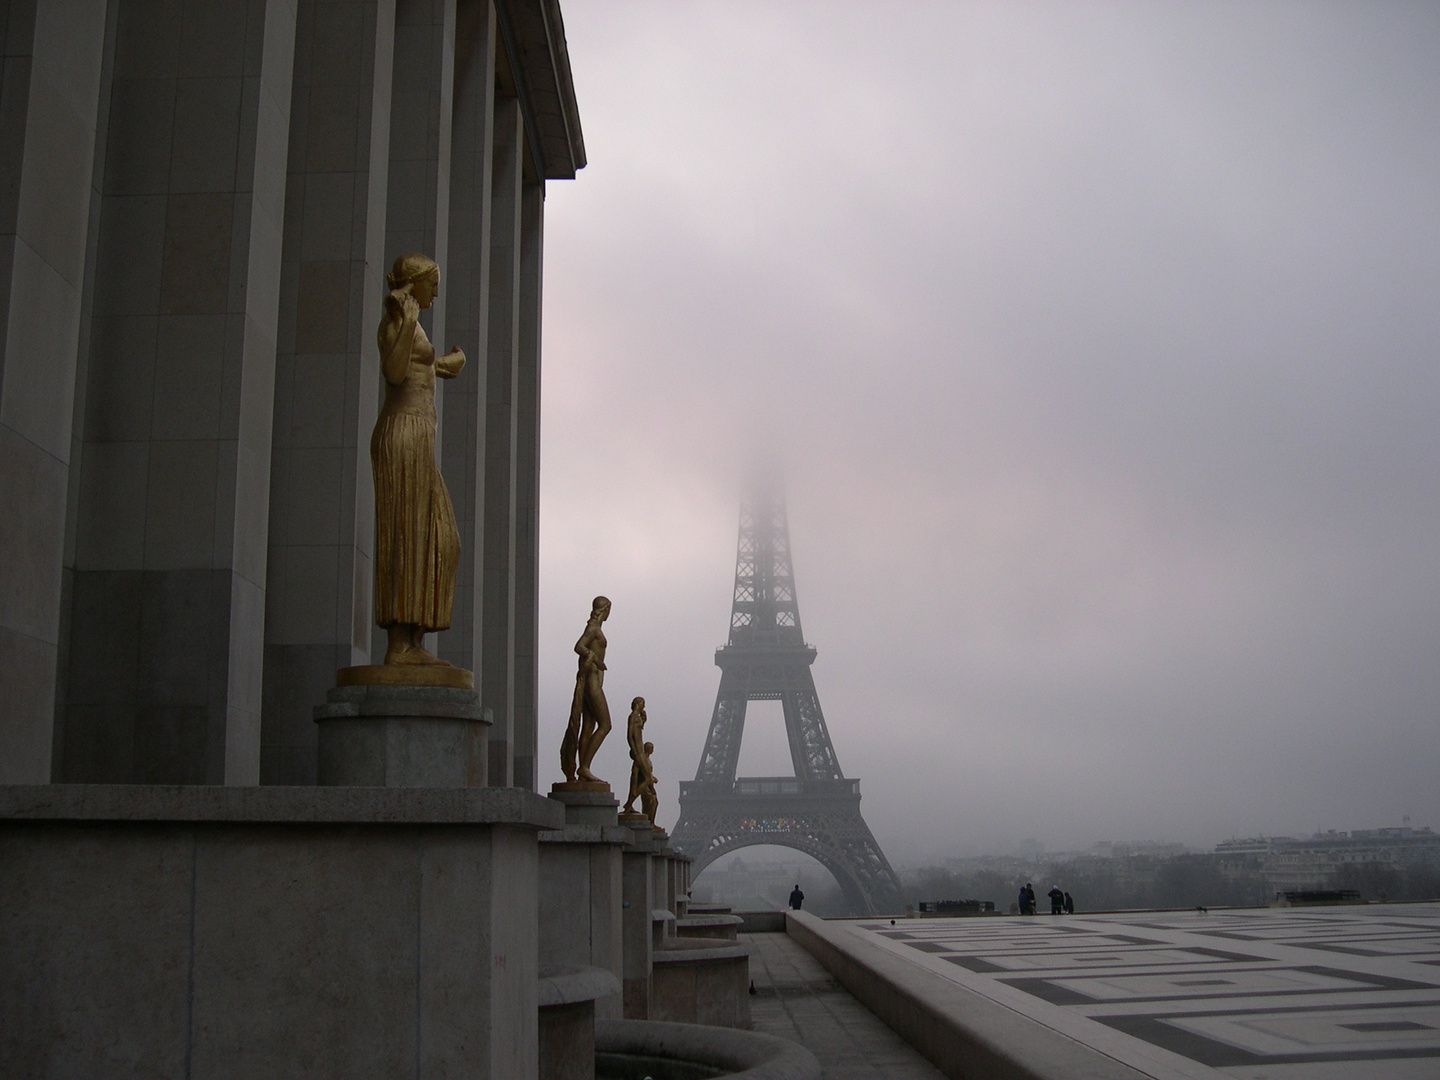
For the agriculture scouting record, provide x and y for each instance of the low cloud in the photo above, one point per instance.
(1099, 347)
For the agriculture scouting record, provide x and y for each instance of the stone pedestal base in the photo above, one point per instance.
(567, 1041)
(376, 735)
(587, 805)
(582, 902)
(642, 836)
(636, 904)
(278, 932)
(406, 675)
(568, 1003)
(702, 982)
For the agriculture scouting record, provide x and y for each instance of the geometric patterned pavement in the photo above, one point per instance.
(1344, 993)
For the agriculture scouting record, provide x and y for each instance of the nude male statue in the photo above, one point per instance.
(649, 801)
(635, 736)
(589, 712)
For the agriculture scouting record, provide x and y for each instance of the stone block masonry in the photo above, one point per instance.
(203, 198)
(277, 932)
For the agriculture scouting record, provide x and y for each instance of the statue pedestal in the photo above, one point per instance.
(384, 734)
(581, 943)
(586, 803)
(637, 903)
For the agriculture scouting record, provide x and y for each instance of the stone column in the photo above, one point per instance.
(581, 897)
(497, 687)
(527, 485)
(637, 906)
(166, 625)
(422, 95)
(318, 613)
(462, 450)
(49, 103)
(662, 916)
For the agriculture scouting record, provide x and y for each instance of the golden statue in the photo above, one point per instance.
(416, 542)
(649, 801)
(589, 713)
(635, 736)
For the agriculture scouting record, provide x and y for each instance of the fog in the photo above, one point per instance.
(1098, 346)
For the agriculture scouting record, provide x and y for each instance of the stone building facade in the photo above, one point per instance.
(1315, 862)
(199, 202)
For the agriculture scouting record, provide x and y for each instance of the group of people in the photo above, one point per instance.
(1060, 901)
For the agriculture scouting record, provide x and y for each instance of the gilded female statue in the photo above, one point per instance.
(589, 712)
(416, 542)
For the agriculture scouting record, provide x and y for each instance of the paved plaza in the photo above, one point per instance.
(796, 999)
(1346, 993)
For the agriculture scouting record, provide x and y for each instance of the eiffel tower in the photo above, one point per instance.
(817, 810)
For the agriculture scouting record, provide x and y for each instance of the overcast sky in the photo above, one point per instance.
(1099, 346)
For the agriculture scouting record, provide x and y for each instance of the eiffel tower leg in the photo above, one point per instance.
(835, 835)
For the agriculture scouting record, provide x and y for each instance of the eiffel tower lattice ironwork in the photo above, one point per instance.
(817, 810)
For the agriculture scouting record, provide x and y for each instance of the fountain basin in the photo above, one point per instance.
(634, 1049)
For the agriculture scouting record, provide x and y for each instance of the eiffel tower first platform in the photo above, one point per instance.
(817, 810)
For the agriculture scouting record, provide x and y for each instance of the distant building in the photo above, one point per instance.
(1125, 849)
(1289, 863)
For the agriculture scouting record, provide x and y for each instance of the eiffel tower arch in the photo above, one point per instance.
(817, 810)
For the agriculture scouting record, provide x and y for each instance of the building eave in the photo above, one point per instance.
(534, 36)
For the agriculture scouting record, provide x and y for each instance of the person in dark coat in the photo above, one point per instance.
(796, 897)
(1069, 905)
(1057, 900)
(1027, 900)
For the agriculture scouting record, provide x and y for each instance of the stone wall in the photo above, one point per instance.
(277, 932)
(203, 197)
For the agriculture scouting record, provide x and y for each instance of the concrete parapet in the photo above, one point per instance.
(964, 1034)
(288, 805)
(722, 927)
(761, 922)
(208, 931)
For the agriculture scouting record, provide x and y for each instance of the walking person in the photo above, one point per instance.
(796, 897)
(1057, 900)
(1069, 905)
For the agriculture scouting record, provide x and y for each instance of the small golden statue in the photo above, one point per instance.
(649, 801)
(589, 712)
(635, 737)
(416, 542)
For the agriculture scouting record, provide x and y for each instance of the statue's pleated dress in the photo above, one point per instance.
(417, 544)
